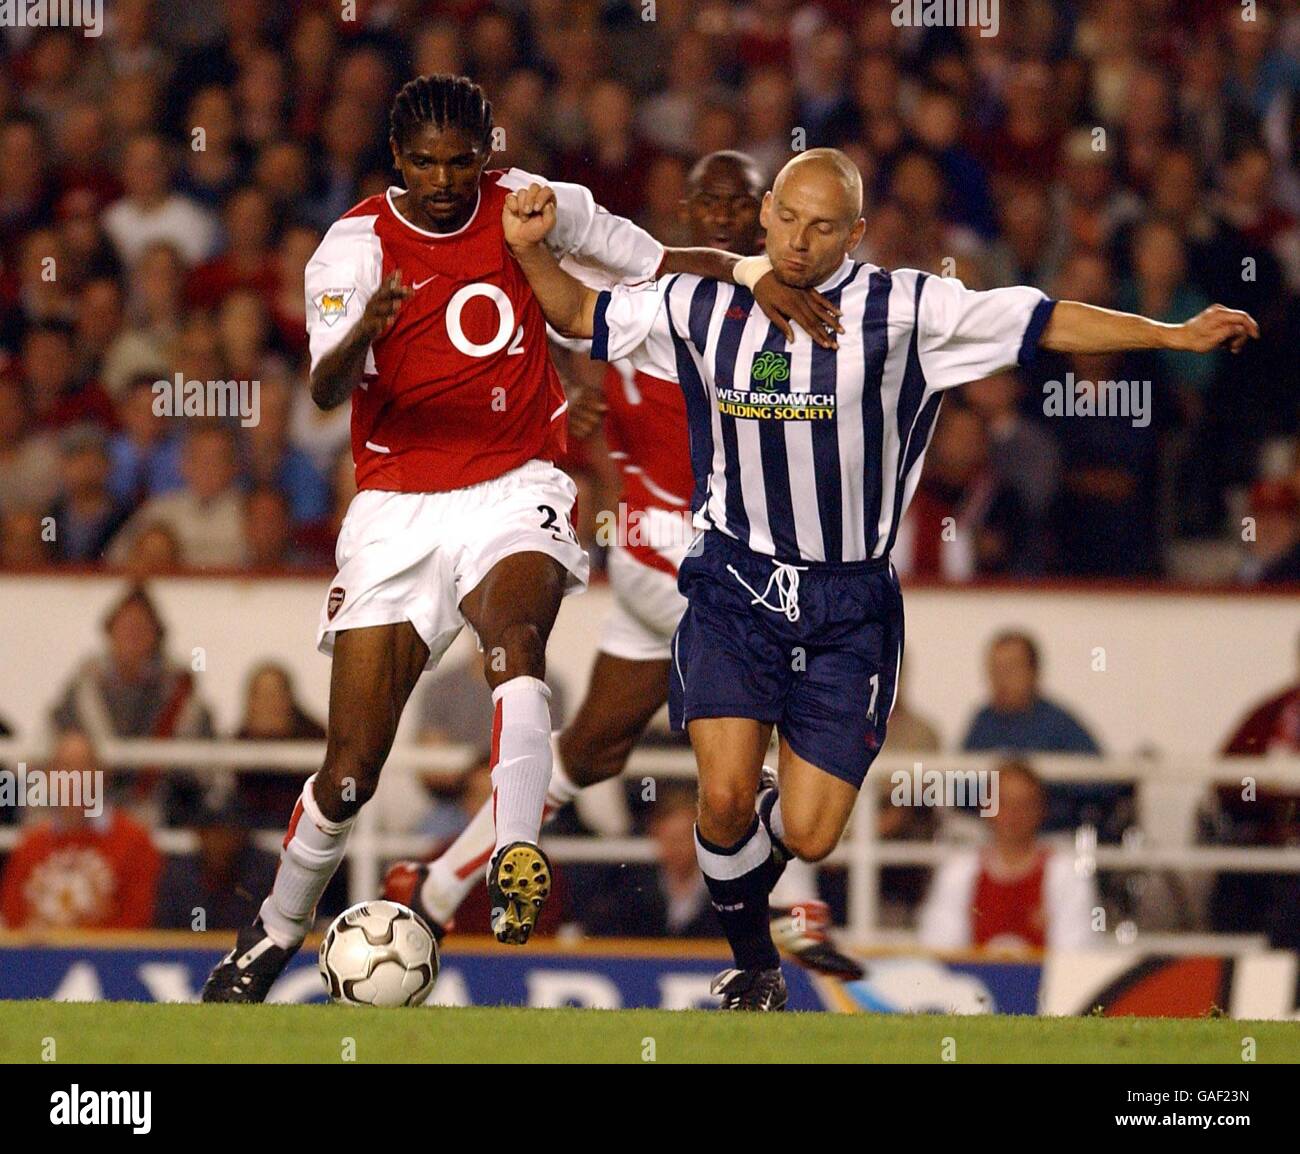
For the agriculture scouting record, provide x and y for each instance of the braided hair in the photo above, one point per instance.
(446, 102)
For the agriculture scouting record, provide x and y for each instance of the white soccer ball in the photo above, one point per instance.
(379, 954)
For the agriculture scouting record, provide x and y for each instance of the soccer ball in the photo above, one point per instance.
(379, 954)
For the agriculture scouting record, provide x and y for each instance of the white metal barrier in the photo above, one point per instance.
(1165, 787)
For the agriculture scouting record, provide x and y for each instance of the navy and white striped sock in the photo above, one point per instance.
(739, 878)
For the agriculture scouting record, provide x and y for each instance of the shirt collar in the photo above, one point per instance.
(836, 278)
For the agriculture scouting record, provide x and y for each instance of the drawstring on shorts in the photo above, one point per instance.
(786, 579)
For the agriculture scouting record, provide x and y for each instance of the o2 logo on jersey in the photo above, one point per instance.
(505, 322)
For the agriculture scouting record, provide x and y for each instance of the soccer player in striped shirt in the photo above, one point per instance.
(805, 459)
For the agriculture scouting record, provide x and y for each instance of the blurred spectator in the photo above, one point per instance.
(272, 713)
(29, 460)
(1109, 448)
(964, 519)
(86, 514)
(1271, 727)
(24, 538)
(155, 308)
(1024, 459)
(612, 161)
(207, 514)
(221, 886)
(909, 731)
(1019, 719)
(667, 119)
(1272, 551)
(1016, 893)
(270, 537)
(132, 689)
(151, 210)
(667, 899)
(155, 552)
(210, 173)
(57, 398)
(74, 870)
(145, 453)
(288, 306)
(246, 260)
(1246, 813)
(902, 887)
(275, 462)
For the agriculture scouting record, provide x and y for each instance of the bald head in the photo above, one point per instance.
(825, 172)
(813, 216)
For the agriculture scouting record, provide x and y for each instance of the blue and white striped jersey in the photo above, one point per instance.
(808, 454)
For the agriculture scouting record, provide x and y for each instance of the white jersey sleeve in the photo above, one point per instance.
(944, 920)
(626, 318)
(590, 235)
(342, 275)
(964, 336)
(1069, 899)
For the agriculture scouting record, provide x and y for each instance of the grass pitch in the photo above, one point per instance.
(124, 1032)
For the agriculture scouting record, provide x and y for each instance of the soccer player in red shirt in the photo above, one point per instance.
(646, 430)
(419, 314)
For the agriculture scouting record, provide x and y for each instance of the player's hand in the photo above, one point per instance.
(528, 215)
(586, 411)
(806, 307)
(383, 307)
(1215, 327)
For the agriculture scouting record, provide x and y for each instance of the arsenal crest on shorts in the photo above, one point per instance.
(335, 601)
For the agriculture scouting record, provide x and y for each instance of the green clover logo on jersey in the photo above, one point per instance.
(770, 371)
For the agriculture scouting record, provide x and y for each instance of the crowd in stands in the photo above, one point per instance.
(1008, 880)
(163, 186)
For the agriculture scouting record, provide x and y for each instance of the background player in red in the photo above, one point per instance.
(418, 313)
(646, 430)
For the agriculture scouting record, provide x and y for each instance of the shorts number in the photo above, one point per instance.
(560, 528)
(875, 690)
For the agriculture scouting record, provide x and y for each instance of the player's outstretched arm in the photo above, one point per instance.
(1078, 328)
(527, 216)
(340, 370)
(780, 303)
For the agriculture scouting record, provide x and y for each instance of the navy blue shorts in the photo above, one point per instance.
(826, 680)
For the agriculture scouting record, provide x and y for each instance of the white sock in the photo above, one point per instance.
(456, 871)
(797, 885)
(563, 789)
(522, 762)
(313, 849)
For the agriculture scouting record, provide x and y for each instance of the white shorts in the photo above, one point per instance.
(414, 556)
(647, 608)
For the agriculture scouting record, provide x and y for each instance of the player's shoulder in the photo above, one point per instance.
(355, 227)
(370, 207)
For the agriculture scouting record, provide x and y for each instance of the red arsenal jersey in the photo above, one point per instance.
(461, 389)
(648, 437)
(1011, 909)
